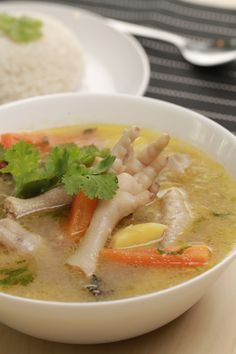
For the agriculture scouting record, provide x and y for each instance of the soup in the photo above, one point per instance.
(89, 213)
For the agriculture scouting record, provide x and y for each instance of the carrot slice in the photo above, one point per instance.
(81, 213)
(195, 256)
(40, 141)
(200, 253)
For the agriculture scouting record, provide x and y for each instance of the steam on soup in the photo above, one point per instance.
(92, 213)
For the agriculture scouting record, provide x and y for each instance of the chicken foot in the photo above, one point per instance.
(137, 174)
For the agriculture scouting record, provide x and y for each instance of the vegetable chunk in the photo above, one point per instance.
(137, 235)
(196, 256)
(81, 213)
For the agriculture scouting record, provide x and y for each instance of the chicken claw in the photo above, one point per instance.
(147, 155)
(175, 213)
(137, 187)
(15, 236)
(124, 149)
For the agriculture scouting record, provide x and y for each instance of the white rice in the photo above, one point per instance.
(51, 64)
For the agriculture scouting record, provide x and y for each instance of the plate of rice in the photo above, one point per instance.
(49, 48)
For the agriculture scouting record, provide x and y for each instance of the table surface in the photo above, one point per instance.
(207, 328)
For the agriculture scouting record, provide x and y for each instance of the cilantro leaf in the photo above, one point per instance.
(30, 177)
(69, 156)
(37, 186)
(103, 165)
(61, 157)
(2, 152)
(221, 214)
(20, 29)
(102, 186)
(23, 160)
(19, 156)
(66, 164)
(22, 276)
(174, 252)
(90, 152)
(95, 181)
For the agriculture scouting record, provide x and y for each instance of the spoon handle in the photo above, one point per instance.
(148, 32)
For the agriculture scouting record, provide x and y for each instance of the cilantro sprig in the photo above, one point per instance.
(178, 251)
(22, 276)
(21, 29)
(68, 164)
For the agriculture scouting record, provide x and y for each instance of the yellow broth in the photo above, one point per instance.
(212, 196)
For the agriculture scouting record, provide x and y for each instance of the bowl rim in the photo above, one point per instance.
(138, 298)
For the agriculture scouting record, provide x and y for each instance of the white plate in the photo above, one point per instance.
(115, 63)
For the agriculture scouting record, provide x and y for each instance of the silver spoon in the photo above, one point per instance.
(196, 52)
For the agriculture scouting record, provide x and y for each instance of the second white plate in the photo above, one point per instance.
(115, 63)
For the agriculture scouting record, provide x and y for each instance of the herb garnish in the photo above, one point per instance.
(22, 276)
(179, 250)
(20, 29)
(199, 269)
(65, 164)
(21, 261)
(2, 152)
(221, 214)
(161, 251)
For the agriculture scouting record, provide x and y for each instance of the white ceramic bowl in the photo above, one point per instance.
(121, 319)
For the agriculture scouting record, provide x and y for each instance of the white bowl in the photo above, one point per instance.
(113, 320)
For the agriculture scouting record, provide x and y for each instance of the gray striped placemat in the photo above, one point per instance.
(211, 92)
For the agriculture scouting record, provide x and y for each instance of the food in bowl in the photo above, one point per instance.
(39, 55)
(103, 212)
